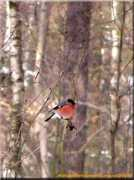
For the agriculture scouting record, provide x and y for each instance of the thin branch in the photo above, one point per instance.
(126, 65)
(90, 105)
(89, 139)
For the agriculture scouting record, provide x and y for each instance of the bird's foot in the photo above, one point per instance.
(71, 127)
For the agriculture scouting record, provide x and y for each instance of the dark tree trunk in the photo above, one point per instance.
(133, 69)
(76, 60)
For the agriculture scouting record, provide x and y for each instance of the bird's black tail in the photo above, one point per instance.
(49, 117)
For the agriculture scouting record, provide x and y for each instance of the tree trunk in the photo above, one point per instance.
(105, 81)
(76, 54)
(133, 66)
(41, 44)
(116, 75)
(29, 42)
(17, 89)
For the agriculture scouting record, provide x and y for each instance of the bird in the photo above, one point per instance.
(64, 110)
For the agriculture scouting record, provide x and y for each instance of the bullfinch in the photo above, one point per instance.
(64, 110)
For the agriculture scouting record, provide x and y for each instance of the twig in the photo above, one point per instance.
(90, 105)
(123, 69)
(88, 141)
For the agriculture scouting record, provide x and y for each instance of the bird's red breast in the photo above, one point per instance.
(67, 111)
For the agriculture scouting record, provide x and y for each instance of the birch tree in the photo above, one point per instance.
(17, 89)
(41, 44)
(29, 42)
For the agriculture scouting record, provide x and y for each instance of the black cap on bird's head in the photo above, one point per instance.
(71, 101)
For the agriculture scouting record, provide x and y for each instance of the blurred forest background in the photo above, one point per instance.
(55, 50)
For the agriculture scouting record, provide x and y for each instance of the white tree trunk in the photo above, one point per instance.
(117, 37)
(29, 46)
(17, 89)
(114, 63)
(42, 131)
(113, 82)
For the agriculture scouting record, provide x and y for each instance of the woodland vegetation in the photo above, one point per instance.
(50, 51)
